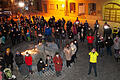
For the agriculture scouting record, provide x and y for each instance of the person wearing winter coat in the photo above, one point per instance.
(107, 30)
(86, 25)
(48, 33)
(89, 31)
(70, 35)
(116, 43)
(82, 34)
(108, 44)
(68, 54)
(2, 61)
(76, 44)
(96, 27)
(40, 67)
(90, 40)
(63, 37)
(101, 46)
(57, 37)
(49, 63)
(69, 25)
(58, 63)
(74, 29)
(8, 58)
(73, 51)
(96, 41)
(28, 61)
(93, 61)
(19, 59)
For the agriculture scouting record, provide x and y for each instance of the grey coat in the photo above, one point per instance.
(116, 43)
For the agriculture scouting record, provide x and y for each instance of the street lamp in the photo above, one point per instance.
(21, 4)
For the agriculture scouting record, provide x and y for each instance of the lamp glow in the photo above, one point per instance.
(21, 4)
(63, 5)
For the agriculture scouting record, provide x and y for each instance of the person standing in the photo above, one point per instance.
(73, 51)
(19, 59)
(68, 54)
(96, 27)
(58, 62)
(93, 61)
(9, 59)
(40, 67)
(90, 39)
(49, 63)
(101, 45)
(109, 43)
(28, 61)
(116, 43)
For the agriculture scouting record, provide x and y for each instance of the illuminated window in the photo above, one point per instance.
(81, 8)
(92, 8)
(72, 8)
(52, 6)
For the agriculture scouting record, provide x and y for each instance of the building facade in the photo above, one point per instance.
(108, 10)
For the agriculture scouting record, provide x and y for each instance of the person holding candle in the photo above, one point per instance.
(49, 63)
(73, 51)
(58, 63)
(40, 67)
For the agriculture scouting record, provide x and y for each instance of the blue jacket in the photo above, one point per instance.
(48, 31)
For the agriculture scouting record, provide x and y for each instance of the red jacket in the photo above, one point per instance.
(58, 63)
(90, 39)
(28, 60)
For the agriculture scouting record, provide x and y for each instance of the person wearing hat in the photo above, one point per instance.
(19, 59)
(40, 67)
(93, 61)
(9, 58)
(58, 63)
(28, 61)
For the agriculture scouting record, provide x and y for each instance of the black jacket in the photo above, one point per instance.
(8, 59)
(109, 42)
(101, 44)
(19, 59)
(40, 66)
(2, 61)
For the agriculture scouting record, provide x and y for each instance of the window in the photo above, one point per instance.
(52, 6)
(45, 8)
(72, 8)
(81, 8)
(92, 8)
(61, 7)
(57, 6)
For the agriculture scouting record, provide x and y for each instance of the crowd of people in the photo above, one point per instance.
(66, 35)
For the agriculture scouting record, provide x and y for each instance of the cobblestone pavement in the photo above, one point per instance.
(107, 68)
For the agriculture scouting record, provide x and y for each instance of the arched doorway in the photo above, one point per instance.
(112, 12)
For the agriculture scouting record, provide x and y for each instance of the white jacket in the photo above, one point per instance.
(73, 48)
